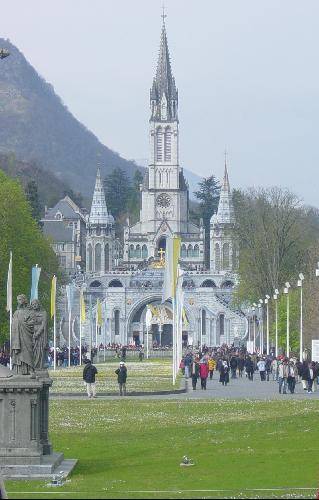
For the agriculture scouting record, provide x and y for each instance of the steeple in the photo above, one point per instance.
(225, 212)
(164, 94)
(99, 213)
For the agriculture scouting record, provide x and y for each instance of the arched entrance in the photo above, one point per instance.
(161, 329)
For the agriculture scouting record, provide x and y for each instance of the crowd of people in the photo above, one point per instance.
(232, 363)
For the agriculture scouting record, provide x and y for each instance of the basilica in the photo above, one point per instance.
(128, 276)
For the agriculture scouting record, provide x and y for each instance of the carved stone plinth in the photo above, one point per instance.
(25, 450)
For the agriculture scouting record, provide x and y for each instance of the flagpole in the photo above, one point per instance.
(10, 336)
(80, 353)
(9, 305)
(69, 339)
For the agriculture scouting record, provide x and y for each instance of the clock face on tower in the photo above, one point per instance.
(163, 200)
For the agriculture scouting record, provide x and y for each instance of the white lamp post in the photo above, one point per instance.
(261, 326)
(267, 318)
(301, 278)
(286, 291)
(276, 319)
(254, 321)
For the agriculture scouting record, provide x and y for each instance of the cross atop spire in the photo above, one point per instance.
(164, 91)
(163, 16)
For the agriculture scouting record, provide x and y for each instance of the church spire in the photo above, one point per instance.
(225, 213)
(99, 213)
(164, 94)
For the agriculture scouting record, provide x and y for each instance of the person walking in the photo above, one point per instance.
(283, 372)
(261, 365)
(233, 366)
(211, 366)
(203, 373)
(305, 374)
(195, 372)
(188, 363)
(89, 373)
(121, 373)
(249, 366)
(274, 369)
(224, 373)
(292, 376)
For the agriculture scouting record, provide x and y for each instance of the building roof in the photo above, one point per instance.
(58, 231)
(65, 208)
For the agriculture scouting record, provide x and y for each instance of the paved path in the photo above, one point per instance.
(240, 388)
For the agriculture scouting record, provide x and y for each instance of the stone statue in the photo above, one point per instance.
(40, 336)
(22, 338)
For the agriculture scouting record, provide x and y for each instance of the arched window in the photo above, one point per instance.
(183, 252)
(226, 256)
(196, 251)
(167, 144)
(208, 284)
(138, 252)
(115, 284)
(220, 328)
(203, 322)
(227, 284)
(189, 251)
(90, 257)
(107, 257)
(131, 252)
(159, 144)
(98, 251)
(217, 257)
(144, 252)
(117, 322)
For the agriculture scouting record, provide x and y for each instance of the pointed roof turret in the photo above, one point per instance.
(99, 213)
(225, 212)
(164, 82)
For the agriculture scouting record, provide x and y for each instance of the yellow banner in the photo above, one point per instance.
(99, 312)
(53, 296)
(176, 257)
(82, 307)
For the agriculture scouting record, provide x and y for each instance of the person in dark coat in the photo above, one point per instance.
(89, 373)
(249, 366)
(233, 366)
(121, 373)
(224, 373)
(195, 372)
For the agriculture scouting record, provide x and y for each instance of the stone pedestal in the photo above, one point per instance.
(25, 450)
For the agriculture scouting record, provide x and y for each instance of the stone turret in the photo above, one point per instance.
(223, 253)
(100, 233)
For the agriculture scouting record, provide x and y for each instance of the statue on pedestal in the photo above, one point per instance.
(22, 338)
(40, 336)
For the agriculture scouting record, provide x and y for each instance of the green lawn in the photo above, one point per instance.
(132, 449)
(145, 376)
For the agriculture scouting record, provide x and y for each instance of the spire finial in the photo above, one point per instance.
(225, 155)
(163, 16)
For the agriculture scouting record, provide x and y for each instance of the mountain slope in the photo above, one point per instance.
(36, 125)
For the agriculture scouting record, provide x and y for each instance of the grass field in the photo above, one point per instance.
(146, 376)
(133, 449)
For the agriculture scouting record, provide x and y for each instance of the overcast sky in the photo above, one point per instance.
(247, 73)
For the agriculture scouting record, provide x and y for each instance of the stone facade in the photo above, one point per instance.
(136, 280)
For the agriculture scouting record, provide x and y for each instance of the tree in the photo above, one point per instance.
(117, 191)
(274, 236)
(208, 197)
(32, 195)
(21, 234)
(134, 200)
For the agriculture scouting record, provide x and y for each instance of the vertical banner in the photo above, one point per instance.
(53, 315)
(148, 321)
(36, 271)
(9, 302)
(70, 295)
(82, 320)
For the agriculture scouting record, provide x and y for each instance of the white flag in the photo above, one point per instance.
(9, 286)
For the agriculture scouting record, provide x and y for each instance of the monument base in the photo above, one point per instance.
(51, 465)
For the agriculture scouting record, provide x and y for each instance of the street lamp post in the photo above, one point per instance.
(267, 318)
(301, 278)
(261, 326)
(286, 291)
(276, 321)
(254, 322)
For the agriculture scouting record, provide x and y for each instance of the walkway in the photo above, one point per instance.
(240, 388)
